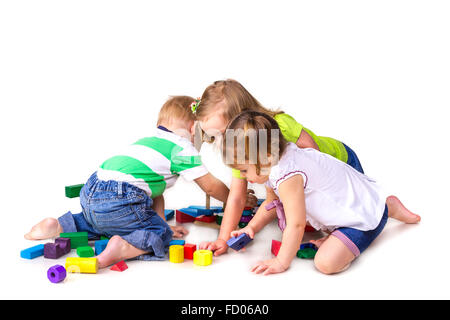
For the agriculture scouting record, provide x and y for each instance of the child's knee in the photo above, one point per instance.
(324, 265)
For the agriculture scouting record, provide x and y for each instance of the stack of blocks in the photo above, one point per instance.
(200, 215)
(306, 251)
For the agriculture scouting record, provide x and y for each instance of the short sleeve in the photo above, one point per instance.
(236, 174)
(287, 168)
(290, 128)
(188, 164)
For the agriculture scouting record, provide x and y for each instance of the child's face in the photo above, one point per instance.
(213, 125)
(248, 171)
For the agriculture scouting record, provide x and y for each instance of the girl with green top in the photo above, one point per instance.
(220, 103)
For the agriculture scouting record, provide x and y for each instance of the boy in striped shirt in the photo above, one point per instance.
(124, 200)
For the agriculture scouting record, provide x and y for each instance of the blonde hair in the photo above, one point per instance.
(232, 97)
(241, 142)
(176, 108)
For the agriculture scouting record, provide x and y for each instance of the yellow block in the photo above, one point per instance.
(81, 265)
(203, 257)
(176, 254)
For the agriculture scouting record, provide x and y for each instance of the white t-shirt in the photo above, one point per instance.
(336, 195)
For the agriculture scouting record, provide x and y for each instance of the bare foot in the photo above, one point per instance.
(318, 242)
(399, 212)
(47, 228)
(117, 250)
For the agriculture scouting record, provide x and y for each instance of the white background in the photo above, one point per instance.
(80, 79)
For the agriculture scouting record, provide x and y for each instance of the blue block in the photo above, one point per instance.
(201, 210)
(247, 213)
(308, 245)
(237, 243)
(169, 214)
(177, 242)
(100, 245)
(260, 201)
(33, 252)
(191, 212)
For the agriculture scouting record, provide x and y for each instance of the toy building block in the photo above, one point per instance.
(203, 257)
(77, 239)
(104, 238)
(176, 254)
(207, 224)
(189, 250)
(248, 209)
(100, 245)
(73, 191)
(119, 266)
(58, 249)
(246, 219)
(169, 214)
(56, 274)
(242, 224)
(191, 212)
(237, 243)
(309, 229)
(219, 218)
(179, 242)
(207, 219)
(201, 210)
(181, 217)
(275, 247)
(33, 252)
(308, 245)
(85, 252)
(247, 212)
(307, 253)
(260, 201)
(82, 265)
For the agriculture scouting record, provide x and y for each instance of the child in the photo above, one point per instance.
(221, 102)
(123, 199)
(313, 187)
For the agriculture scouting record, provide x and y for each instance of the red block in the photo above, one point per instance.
(208, 219)
(310, 229)
(275, 247)
(189, 250)
(119, 266)
(183, 217)
(248, 208)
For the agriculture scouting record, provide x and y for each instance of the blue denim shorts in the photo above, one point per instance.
(119, 208)
(358, 241)
(353, 160)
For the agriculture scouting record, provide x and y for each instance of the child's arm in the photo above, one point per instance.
(213, 187)
(158, 206)
(293, 198)
(306, 141)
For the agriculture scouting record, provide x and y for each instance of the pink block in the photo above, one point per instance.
(275, 247)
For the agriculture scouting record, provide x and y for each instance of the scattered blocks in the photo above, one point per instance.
(100, 245)
(85, 252)
(33, 252)
(237, 243)
(56, 274)
(57, 249)
(181, 217)
(169, 214)
(247, 213)
(73, 191)
(275, 247)
(77, 239)
(203, 257)
(189, 250)
(119, 266)
(307, 253)
(179, 242)
(176, 254)
(81, 265)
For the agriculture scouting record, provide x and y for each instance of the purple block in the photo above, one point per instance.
(246, 219)
(64, 244)
(57, 249)
(237, 243)
(56, 274)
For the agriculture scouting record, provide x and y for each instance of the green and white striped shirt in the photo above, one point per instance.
(154, 163)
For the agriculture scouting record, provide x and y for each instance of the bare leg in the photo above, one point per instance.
(47, 228)
(399, 212)
(333, 256)
(117, 250)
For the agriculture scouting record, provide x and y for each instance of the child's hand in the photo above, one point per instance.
(252, 200)
(218, 247)
(269, 267)
(248, 230)
(179, 231)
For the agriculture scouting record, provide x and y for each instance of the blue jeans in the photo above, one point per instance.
(353, 160)
(119, 208)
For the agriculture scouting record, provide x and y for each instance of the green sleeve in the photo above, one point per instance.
(290, 128)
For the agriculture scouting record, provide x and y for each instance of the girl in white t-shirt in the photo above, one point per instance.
(307, 187)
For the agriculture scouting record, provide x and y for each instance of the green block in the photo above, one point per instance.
(307, 253)
(219, 219)
(85, 252)
(104, 238)
(77, 239)
(73, 191)
(242, 224)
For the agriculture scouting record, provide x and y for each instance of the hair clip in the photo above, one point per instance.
(194, 105)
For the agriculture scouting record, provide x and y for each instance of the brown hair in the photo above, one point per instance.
(176, 108)
(232, 98)
(238, 132)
